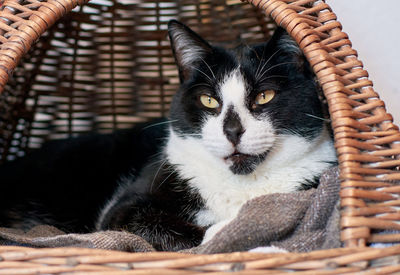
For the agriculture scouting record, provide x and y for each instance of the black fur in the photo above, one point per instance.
(160, 208)
(67, 182)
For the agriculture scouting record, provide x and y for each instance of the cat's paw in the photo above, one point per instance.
(268, 249)
(213, 230)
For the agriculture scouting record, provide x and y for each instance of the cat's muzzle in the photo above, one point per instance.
(243, 164)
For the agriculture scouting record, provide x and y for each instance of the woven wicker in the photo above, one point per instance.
(68, 67)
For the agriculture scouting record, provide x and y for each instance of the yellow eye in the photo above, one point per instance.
(209, 101)
(264, 97)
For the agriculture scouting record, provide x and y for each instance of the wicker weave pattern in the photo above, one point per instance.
(19, 260)
(21, 24)
(81, 74)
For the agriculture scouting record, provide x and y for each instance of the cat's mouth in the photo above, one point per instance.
(237, 156)
(243, 164)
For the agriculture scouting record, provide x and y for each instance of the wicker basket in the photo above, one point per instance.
(68, 67)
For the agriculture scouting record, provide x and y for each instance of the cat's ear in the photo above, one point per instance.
(188, 47)
(284, 42)
(286, 48)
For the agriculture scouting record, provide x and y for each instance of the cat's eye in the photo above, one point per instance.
(264, 97)
(209, 101)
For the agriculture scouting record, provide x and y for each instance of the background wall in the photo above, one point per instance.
(374, 29)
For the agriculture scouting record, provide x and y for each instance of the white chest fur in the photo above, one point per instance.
(291, 160)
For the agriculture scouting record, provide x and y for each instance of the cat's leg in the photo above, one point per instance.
(153, 222)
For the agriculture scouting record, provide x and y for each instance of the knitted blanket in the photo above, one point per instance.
(299, 222)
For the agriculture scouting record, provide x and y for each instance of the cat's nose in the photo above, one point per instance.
(233, 128)
(233, 133)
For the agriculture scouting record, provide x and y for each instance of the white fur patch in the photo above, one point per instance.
(213, 230)
(291, 158)
(268, 249)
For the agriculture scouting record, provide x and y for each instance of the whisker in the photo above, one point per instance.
(255, 52)
(167, 177)
(159, 123)
(258, 58)
(257, 71)
(192, 135)
(291, 132)
(265, 64)
(208, 66)
(200, 84)
(155, 176)
(200, 71)
(317, 117)
(157, 157)
(156, 162)
(272, 76)
(280, 64)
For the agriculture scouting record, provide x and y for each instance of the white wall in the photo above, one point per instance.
(374, 29)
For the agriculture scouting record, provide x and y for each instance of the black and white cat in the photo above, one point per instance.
(244, 123)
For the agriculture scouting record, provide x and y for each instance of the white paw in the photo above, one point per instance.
(214, 229)
(268, 249)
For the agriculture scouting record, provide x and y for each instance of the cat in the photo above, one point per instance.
(245, 122)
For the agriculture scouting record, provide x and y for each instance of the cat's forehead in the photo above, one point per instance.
(232, 89)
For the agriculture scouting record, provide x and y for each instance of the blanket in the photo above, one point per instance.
(297, 222)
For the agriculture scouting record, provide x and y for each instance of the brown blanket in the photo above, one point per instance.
(298, 222)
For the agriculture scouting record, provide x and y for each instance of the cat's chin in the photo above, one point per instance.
(244, 164)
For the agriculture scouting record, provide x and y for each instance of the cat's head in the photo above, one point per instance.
(238, 103)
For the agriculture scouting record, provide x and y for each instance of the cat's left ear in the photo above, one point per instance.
(188, 48)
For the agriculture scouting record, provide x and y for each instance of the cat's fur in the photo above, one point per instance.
(171, 180)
